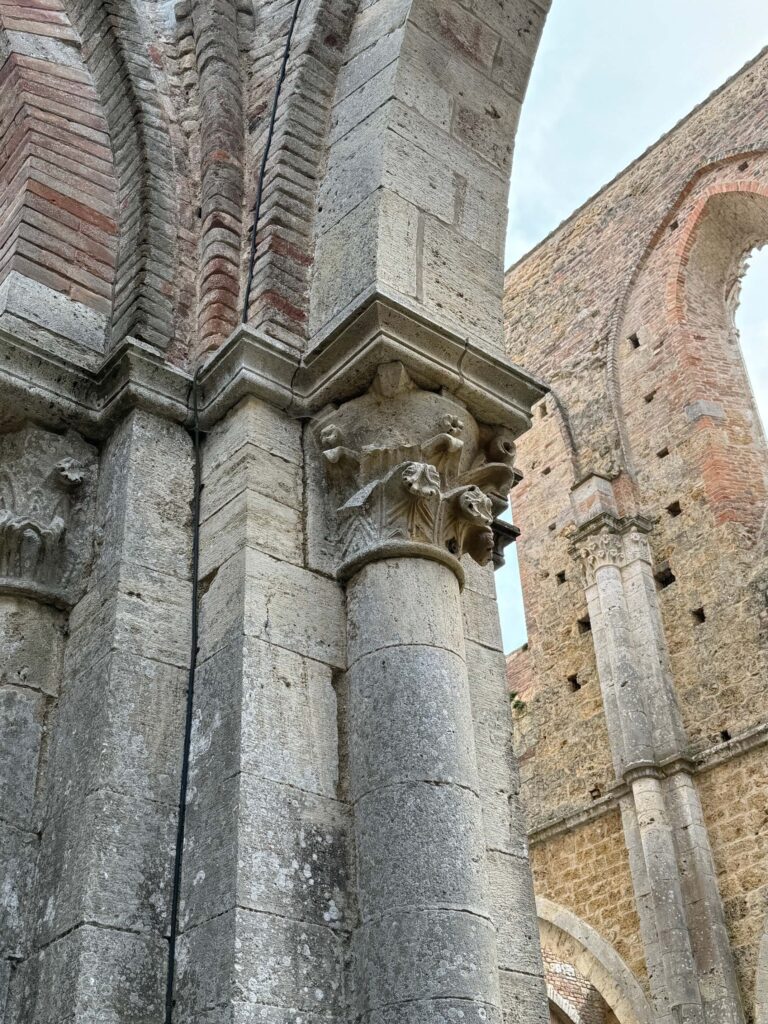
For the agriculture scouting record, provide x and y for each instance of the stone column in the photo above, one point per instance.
(44, 491)
(687, 952)
(417, 483)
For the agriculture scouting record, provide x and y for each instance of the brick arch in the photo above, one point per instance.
(578, 943)
(688, 343)
(58, 185)
(125, 66)
(563, 1004)
(280, 293)
(726, 164)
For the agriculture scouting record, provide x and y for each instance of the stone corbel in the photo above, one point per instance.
(414, 474)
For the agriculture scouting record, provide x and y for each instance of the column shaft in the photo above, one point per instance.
(426, 947)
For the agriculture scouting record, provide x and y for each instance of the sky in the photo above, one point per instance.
(611, 77)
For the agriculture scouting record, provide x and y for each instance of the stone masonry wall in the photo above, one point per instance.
(626, 310)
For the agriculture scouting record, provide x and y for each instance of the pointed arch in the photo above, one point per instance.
(125, 66)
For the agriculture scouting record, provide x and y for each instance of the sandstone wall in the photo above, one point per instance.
(626, 310)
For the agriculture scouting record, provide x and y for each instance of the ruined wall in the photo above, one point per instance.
(627, 311)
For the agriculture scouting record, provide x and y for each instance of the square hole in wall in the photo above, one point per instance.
(744, 165)
(595, 793)
(573, 683)
(664, 577)
(662, 453)
(699, 615)
(634, 341)
(649, 397)
(675, 509)
(674, 225)
(552, 527)
(560, 577)
(725, 735)
(584, 624)
(546, 471)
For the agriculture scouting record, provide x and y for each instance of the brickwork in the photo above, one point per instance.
(627, 311)
(58, 189)
(572, 994)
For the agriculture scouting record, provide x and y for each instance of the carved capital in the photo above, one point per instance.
(413, 473)
(611, 541)
(44, 519)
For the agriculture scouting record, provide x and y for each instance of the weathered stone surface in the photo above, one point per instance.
(389, 602)
(106, 861)
(415, 955)
(277, 963)
(91, 975)
(420, 692)
(265, 710)
(416, 846)
(266, 847)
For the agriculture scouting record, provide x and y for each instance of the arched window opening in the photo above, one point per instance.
(748, 304)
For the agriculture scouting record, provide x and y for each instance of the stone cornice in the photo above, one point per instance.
(698, 764)
(54, 388)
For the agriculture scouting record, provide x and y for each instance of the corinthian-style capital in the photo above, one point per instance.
(413, 473)
(610, 540)
(44, 523)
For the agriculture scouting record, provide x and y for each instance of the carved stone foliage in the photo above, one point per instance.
(612, 541)
(45, 521)
(413, 473)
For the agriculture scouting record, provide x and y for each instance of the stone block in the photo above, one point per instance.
(293, 608)
(473, 41)
(268, 711)
(346, 264)
(251, 468)
(145, 494)
(22, 720)
(420, 845)
(119, 724)
(513, 911)
(266, 847)
(18, 850)
(395, 601)
(251, 519)
(135, 610)
(252, 422)
(106, 861)
(462, 284)
(422, 955)
(523, 998)
(34, 312)
(33, 644)
(481, 620)
(91, 975)
(255, 960)
(409, 720)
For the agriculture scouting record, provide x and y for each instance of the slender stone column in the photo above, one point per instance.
(688, 956)
(418, 482)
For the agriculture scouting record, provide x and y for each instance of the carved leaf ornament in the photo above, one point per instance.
(417, 493)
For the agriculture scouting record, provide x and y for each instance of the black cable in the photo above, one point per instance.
(264, 158)
(184, 782)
